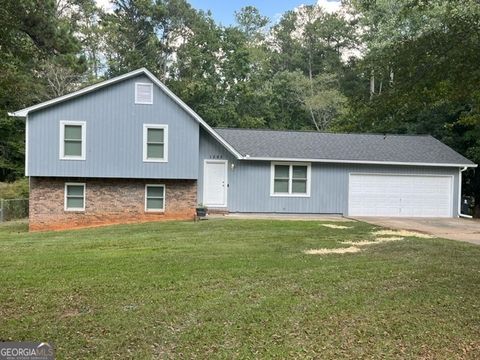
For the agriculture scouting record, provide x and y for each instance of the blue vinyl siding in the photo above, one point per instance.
(114, 149)
(249, 183)
(114, 136)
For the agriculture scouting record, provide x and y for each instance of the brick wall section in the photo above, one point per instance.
(108, 201)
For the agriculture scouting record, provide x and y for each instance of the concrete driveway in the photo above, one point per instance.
(447, 228)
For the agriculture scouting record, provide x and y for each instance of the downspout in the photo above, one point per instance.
(460, 194)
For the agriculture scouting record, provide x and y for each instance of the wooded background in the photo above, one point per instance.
(385, 66)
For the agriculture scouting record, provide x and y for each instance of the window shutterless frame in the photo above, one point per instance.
(144, 101)
(74, 196)
(152, 197)
(62, 140)
(291, 179)
(147, 127)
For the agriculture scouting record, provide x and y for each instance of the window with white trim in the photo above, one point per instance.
(154, 197)
(155, 143)
(290, 179)
(143, 93)
(74, 197)
(72, 140)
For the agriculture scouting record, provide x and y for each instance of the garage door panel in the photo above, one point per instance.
(400, 195)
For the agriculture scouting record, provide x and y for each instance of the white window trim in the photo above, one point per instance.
(165, 142)
(290, 177)
(151, 93)
(65, 196)
(164, 198)
(83, 124)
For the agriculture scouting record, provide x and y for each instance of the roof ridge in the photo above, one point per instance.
(323, 132)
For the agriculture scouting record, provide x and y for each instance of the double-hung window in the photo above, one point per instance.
(155, 143)
(155, 198)
(74, 197)
(72, 140)
(290, 179)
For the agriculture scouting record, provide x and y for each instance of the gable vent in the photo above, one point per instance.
(143, 93)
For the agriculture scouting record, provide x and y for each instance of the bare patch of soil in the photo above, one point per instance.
(349, 250)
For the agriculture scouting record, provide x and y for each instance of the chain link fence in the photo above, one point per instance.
(13, 209)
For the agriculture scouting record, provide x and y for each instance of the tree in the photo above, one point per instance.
(424, 59)
(131, 41)
(320, 98)
(251, 22)
(221, 71)
(145, 33)
(308, 46)
(32, 34)
(91, 36)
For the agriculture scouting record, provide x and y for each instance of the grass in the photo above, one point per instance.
(238, 289)
(14, 190)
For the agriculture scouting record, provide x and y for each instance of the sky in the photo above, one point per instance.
(223, 10)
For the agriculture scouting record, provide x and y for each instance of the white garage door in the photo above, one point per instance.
(400, 195)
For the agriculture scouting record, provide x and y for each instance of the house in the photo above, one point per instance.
(129, 150)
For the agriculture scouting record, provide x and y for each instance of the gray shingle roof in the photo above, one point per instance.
(341, 147)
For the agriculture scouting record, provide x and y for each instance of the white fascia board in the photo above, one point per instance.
(24, 112)
(358, 162)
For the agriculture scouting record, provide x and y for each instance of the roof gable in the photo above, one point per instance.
(89, 89)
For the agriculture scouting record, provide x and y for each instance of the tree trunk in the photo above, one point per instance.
(95, 64)
(310, 77)
(310, 73)
(372, 85)
(313, 118)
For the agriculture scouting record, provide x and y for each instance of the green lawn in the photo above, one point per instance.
(238, 289)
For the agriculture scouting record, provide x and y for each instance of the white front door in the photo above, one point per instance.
(215, 183)
(400, 195)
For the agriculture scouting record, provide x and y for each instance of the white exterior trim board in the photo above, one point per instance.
(356, 162)
(26, 146)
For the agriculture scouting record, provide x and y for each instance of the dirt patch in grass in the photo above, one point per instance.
(355, 246)
(402, 233)
(333, 226)
(376, 241)
(349, 250)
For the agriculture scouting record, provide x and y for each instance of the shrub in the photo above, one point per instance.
(14, 190)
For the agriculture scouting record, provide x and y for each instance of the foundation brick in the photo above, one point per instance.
(108, 201)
